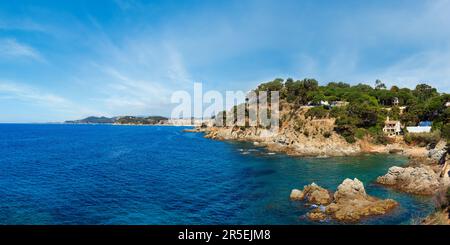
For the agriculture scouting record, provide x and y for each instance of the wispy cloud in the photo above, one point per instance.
(22, 24)
(124, 94)
(34, 96)
(11, 48)
(128, 4)
(425, 67)
(134, 75)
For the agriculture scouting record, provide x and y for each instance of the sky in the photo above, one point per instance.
(65, 60)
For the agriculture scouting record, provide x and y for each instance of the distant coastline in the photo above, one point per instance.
(136, 121)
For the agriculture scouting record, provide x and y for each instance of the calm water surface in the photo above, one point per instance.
(105, 174)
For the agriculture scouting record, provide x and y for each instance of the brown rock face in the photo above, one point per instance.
(313, 193)
(316, 215)
(418, 180)
(297, 195)
(349, 203)
(350, 189)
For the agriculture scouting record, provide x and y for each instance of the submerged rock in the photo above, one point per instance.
(415, 180)
(349, 203)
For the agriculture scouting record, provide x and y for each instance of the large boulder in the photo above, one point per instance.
(350, 189)
(350, 202)
(438, 153)
(415, 180)
(313, 194)
(297, 195)
(354, 210)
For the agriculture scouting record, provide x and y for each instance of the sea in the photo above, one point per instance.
(108, 174)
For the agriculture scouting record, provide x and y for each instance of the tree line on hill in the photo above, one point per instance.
(367, 107)
(121, 120)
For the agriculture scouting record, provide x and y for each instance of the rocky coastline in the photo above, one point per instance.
(427, 172)
(422, 175)
(328, 144)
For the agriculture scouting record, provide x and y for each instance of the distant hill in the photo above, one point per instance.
(93, 120)
(142, 120)
(121, 120)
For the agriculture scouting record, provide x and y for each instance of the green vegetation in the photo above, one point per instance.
(368, 106)
(422, 139)
(141, 120)
(121, 120)
(93, 120)
(317, 112)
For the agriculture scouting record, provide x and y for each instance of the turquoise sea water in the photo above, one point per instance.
(105, 174)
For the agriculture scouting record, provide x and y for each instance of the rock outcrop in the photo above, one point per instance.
(349, 203)
(439, 152)
(295, 129)
(415, 180)
(313, 193)
(300, 135)
(297, 195)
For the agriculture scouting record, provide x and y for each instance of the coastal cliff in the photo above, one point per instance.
(300, 135)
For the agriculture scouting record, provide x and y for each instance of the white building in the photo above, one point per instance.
(419, 129)
(423, 127)
(392, 127)
(191, 122)
(395, 101)
(339, 103)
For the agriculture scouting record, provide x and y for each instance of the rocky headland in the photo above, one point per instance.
(301, 135)
(350, 202)
(415, 180)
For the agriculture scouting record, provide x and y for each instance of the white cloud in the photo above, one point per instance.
(428, 66)
(27, 93)
(11, 48)
(22, 25)
(34, 96)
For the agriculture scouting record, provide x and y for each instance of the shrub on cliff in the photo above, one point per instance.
(318, 112)
(445, 131)
(327, 134)
(422, 139)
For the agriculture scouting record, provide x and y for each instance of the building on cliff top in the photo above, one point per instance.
(395, 101)
(320, 103)
(392, 127)
(338, 103)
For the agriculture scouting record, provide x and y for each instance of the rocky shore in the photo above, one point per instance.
(423, 176)
(350, 203)
(321, 142)
(415, 180)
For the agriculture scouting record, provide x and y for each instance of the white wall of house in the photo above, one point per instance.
(426, 129)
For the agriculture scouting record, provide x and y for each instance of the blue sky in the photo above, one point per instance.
(63, 60)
